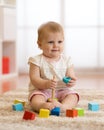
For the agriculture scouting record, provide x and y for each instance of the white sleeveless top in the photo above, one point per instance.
(49, 69)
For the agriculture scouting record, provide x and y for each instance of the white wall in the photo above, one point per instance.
(84, 25)
(83, 21)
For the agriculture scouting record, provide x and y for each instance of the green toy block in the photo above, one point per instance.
(80, 111)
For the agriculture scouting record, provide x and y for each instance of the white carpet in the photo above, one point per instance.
(12, 120)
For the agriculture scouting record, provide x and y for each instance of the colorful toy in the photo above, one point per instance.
(55, 111)
(19, 101)
(71, 113)
(93, 106)
(44, 113)
(53, 90)
(53, 93)
(66, 79)
(80, 111)
(29, 115)
(18, 107)
(50, 99)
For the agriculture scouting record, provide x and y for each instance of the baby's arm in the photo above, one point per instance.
(37, 81)
(70, 73)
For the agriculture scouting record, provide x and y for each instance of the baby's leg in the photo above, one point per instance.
(69, 102)
(39, 101)
(56, 103)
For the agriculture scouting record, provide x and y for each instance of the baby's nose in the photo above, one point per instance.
(55, 44)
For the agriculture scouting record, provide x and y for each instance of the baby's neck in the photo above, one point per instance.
(52, 59)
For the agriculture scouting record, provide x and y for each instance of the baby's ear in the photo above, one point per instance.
(39, 44)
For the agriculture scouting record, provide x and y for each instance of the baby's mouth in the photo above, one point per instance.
(55, 50)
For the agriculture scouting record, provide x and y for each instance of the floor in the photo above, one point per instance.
(92, 81)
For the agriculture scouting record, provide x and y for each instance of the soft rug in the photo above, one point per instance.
(12, 120)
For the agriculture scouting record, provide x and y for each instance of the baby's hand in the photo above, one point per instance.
(72, 82)
(51, 84)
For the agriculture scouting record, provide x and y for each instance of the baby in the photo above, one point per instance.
(47, 70)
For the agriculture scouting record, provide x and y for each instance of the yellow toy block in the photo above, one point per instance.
(19, 101)
(44, 113)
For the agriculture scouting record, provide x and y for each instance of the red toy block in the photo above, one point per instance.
(5, 65)
(71, 113)
(29, 115)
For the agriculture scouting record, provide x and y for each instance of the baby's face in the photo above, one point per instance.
(52, 45)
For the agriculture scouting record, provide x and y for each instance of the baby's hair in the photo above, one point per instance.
(49, 27)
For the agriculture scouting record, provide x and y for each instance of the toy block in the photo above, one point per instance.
(71, 113)
(19, 101)
(29, 115)
(5, 65)
(44, 113)
(93, 106)
(66, 79)
(80, 111)
(18, 107)
(55, 111)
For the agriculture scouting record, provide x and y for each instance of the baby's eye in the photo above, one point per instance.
(60, 41)
(51, 42)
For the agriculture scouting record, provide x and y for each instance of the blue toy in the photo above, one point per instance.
(18, 107)
(93, 106)
(55, 111)
(66, 79)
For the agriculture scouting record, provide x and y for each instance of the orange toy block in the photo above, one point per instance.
(29, 115)
(71, 113)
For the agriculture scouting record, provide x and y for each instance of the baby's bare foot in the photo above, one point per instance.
(64, 107)
(48, 105)
(56, 103)
(51, 105)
